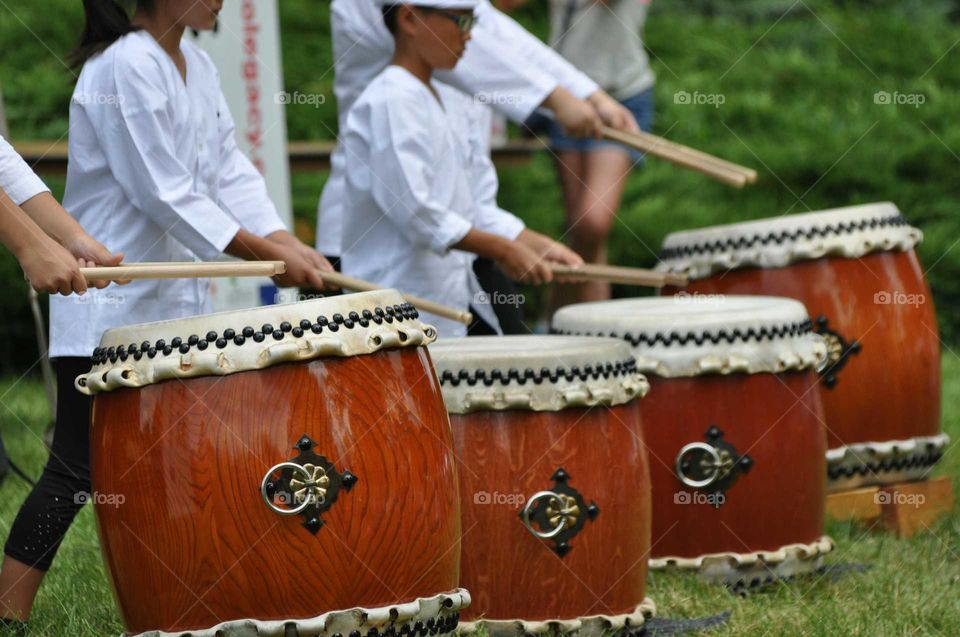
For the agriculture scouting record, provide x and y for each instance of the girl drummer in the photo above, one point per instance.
(154, 170)
(602, 38)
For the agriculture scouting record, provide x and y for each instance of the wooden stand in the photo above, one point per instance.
(902, 508)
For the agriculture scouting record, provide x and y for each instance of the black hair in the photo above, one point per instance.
(390, 17)
(106, 22)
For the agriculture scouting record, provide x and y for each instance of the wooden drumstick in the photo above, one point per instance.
(359, 285)
(749, 173)
(183, 270)
(673, 153)
(615, 274)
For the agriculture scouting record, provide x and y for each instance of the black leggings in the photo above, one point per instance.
(62, 489)
(500, 289)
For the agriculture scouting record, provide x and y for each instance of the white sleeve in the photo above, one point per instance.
(17, 180)
(243, 191)
(494, 70)
(534, 52)
(401, 168)
(491, 217)
(137, 138)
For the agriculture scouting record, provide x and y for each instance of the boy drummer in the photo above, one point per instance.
(412, 219)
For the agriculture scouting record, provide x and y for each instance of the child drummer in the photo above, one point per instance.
(412, 218)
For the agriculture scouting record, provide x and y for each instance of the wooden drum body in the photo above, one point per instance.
(857, 273)
(278, 480)
(554, 481)
(734, 426)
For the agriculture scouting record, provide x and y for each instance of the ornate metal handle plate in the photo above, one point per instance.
(307, 485)
(558, 512)
(713, 465)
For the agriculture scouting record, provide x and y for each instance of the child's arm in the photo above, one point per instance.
(47, 265)
(517, 260)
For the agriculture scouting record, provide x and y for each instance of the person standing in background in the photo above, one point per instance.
(603, 39)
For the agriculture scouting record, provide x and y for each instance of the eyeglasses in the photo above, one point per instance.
(464, 21)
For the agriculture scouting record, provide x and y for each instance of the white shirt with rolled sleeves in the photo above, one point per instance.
(154, 172)
(17, 180)
(504, 66)
(409, 197)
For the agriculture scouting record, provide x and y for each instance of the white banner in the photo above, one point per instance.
(246, 49)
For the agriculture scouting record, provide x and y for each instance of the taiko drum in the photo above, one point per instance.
(554, 481)
(734, 427)
(279, 468)
(856, 271)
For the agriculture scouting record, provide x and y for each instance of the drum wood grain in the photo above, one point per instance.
(891, 389)
(777, 421)
(510, 455)
(194, 544)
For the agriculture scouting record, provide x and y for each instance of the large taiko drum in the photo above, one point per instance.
(734, 427)
(856, 271)
(554, 482)
(279, 471)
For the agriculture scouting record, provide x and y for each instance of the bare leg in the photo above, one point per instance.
(570, 166)
(604, 176)
(18, 588)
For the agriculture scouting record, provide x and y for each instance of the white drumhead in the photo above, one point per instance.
(230, 342)
(540, 373)
(773, 243)
(689, 335)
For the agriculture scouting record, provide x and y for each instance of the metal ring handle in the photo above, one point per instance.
(707, 449)
(307, 501)
(528, 509)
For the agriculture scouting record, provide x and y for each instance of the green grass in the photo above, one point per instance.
(912, 588)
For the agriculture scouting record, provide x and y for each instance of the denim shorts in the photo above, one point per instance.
(641, 105)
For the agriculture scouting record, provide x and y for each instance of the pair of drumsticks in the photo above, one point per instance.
(190, 270)
(720, 169)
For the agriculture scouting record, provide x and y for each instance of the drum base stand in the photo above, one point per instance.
(904, 509)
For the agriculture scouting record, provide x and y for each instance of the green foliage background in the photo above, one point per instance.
(798, 77)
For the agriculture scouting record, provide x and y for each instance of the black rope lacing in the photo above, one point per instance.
(545, 374)
(766, 333)
(377, 316)
(778, 238)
